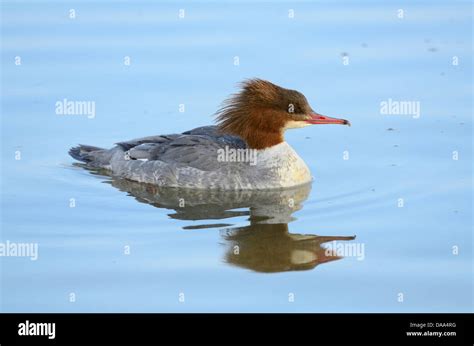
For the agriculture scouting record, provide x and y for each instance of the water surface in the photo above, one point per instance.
(389, 180)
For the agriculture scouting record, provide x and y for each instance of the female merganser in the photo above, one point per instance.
(246, 150)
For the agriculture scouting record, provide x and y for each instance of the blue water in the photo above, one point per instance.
(177, 253)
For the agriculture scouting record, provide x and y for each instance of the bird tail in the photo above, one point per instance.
(85, 153)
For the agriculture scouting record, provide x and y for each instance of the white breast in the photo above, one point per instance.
(290, 169)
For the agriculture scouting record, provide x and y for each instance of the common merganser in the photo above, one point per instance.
(246, 150)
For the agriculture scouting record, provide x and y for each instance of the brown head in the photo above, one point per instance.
(262, 111)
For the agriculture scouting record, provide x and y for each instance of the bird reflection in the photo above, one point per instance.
(271, 248)
(265, 245)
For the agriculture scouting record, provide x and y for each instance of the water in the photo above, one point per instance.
(128, 247)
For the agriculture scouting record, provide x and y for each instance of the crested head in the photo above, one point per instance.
(262, 111)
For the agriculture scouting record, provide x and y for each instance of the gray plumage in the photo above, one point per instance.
(187, 160)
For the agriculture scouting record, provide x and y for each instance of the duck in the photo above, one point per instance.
(245, 150)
